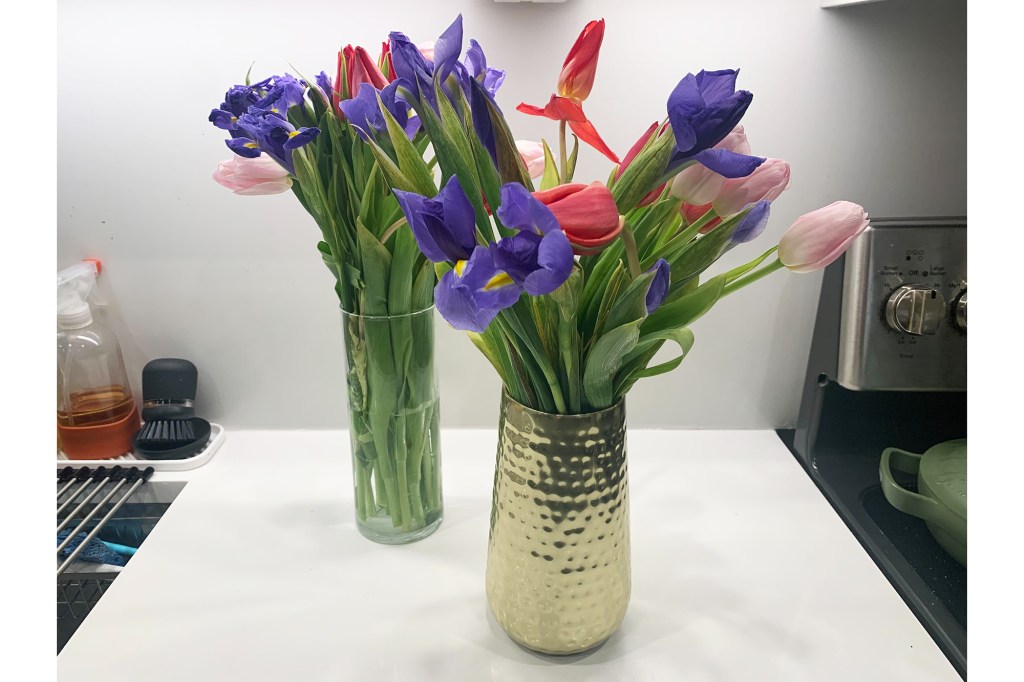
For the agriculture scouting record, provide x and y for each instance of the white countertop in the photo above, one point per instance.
(741, 571)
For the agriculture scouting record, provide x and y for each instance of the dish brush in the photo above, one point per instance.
(168, 407)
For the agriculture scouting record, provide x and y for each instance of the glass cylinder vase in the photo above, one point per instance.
(394, 415)
(558, 553)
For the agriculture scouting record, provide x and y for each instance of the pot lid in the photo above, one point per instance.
(944, 472)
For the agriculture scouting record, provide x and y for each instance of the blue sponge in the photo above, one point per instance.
(95, 552)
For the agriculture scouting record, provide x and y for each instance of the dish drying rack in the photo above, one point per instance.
(110, 503)
(131, 459)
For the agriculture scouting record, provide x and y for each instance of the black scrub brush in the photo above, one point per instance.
(168, 407)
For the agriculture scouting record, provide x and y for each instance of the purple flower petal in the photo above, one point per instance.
(659, 285)
(728, 164)
(752, 224)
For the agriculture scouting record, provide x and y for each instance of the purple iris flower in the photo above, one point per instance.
(476, 68)
(445, 226)
(363, 110)
(473, 293)
(659, 285)
(412, 69)
(417, 74)
(447, 48)
(274, 135)
(323, 82)
(237, 101)
(539, 257)
(283, 93)
(244, 146)
(703, 109)
(482, 124)
(752, 224)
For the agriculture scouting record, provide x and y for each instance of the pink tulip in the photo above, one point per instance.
(817, 238)
(767, 182)
(261, 175)
(699, 185)
(426, 49)
(533, 156)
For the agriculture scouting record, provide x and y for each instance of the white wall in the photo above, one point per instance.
(868, 103)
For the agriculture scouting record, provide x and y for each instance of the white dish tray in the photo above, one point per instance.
(196, 460)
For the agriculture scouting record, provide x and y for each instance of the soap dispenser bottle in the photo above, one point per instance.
(96, 413)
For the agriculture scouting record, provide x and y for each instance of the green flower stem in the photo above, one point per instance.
(752, 277)
(531, 362)
(542, 359)
(632, 256)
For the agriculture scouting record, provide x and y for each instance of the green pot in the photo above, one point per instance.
(941, 497)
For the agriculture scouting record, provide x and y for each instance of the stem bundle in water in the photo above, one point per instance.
(393, 407)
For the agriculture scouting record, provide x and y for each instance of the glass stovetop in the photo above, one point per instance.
(932, 584)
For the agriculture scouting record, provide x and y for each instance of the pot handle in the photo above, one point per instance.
(906, 501)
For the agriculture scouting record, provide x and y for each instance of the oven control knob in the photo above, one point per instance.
(915, 309)
(960, 311)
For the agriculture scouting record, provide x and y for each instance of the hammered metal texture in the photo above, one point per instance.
(558, 554)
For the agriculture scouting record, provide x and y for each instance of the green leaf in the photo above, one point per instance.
(396, 179)
(509, 161)
(410, 161)
(636, 367)
(632, 303)
(403, 260)
(376, 266)
(550, 177)
(249, 73)
(701, 254)
(423, 286)
(604, 362)
(683, 311)
(571, 163)
(641, 176)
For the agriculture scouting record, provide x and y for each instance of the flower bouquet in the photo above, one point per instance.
(309, 136)
(571, 289)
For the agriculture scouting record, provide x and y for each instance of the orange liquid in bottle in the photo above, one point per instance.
(99, 424)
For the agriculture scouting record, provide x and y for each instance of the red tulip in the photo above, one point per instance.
(385, 63)
(355, 67)
(574, 85)
(565, 109)
(577, 77)
(694, 213)
(587, 214)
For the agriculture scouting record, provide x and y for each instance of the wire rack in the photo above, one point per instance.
(104, 504)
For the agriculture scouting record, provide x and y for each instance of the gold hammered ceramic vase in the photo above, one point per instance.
(558, 553)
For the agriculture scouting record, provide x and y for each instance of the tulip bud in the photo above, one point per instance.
(577, 76)
(259, 175)
(818, 238)
(767, 182)
(586, 213)
(532, 154)
(426, 49)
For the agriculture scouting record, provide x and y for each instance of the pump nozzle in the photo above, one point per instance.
(73, 286)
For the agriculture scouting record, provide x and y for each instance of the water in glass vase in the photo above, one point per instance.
(394, 422)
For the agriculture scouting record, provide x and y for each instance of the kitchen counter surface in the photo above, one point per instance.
(741, 572)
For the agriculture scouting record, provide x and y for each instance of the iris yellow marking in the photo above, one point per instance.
(459, 267)
(250, 145)
(293, 133)
(499, 280)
